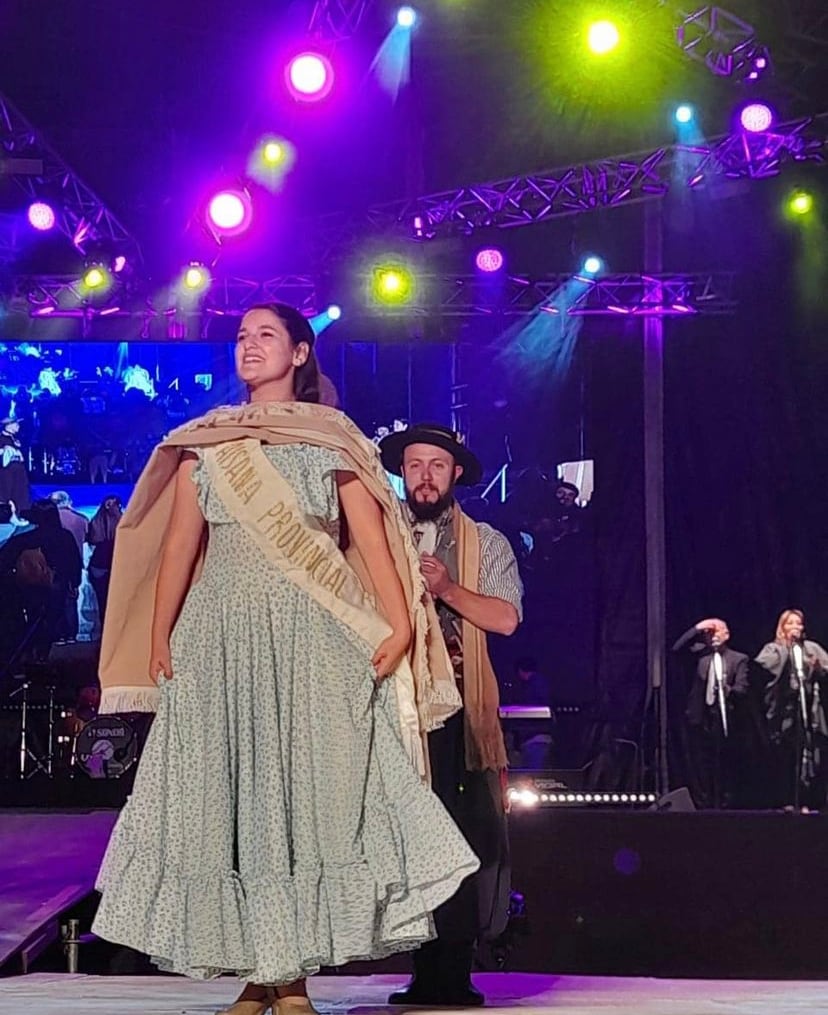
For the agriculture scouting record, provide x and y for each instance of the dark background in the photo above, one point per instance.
(153, 105)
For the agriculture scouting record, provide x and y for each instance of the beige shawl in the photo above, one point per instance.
(125, 648)
(485, 748)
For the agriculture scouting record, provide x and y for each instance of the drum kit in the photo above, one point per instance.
(68, 461)
(48, 739)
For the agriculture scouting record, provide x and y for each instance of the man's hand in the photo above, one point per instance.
(708, 625)
(436, 575)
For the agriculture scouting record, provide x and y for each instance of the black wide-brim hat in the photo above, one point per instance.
(393, 446)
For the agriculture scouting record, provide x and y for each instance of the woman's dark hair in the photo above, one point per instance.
(104, 523)
(306, 377)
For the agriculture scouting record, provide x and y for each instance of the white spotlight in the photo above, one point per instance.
(406, 17)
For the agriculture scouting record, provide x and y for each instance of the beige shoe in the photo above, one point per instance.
(251, 1007)
(295, 1004)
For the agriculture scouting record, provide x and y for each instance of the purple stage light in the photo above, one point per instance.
(229, 212)
(756, 117)
(490, 259)
(310, 77)
(41, 216)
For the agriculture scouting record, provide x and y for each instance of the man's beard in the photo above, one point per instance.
(428, 511)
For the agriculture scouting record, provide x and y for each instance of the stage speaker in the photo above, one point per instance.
(700, 894)
(676, 800)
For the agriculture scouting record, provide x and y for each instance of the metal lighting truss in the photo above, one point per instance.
(449, 296)
(604, 183)
(55, 297)
(639, 295)
(44, 176)
(725, 44)
(337, 20)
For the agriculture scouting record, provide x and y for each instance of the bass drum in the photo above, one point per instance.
(106, 747)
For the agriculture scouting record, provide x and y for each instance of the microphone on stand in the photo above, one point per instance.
(798, 663)
(797, 657)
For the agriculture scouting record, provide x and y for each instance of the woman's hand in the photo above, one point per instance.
(389, 653)
(160, 662)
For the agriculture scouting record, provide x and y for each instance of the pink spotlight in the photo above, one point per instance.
(230, 212)
(756, 117)
(41, 216)
(490, 259)
(310, 77)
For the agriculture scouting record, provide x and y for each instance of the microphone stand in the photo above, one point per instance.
(798, 667)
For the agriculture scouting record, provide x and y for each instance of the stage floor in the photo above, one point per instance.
(55, 994)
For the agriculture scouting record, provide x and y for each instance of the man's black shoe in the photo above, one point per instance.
(432, 996)
(466, 997)
(415, 994)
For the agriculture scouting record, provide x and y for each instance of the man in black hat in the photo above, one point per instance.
(472, 574)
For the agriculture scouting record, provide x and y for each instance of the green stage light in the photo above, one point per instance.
(800, 203)
(392, 284)
(602, 37)
(196, 277)
(96, 278)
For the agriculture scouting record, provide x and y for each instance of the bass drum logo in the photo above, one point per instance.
(107, 746)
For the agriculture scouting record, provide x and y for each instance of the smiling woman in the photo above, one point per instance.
(278, 821)
(274, 355)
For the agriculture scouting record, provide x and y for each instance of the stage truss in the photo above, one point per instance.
(44, 176)
(572, 190)
(39, 300)
(725, 44)
(336, 21)
(633, 295)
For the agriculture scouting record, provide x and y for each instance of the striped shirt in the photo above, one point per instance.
(499, 575)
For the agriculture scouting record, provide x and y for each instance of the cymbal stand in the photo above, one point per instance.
(42, 763)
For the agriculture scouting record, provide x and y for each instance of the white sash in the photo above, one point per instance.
(265, 505)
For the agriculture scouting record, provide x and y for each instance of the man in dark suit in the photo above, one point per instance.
(720, 677)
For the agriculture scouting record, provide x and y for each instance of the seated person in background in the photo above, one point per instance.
(710, 738)
(70, 519)
(531, 740)
(46, 568)
(73, 521)
(101, 537)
